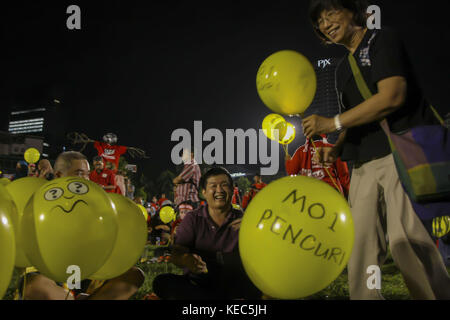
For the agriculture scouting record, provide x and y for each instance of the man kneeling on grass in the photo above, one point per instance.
(206, 246)
(39, 287)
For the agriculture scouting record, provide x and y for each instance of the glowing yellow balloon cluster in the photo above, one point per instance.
(7, 242)
(71, 222)
(296, 237)
(276, 128)
(286, 82)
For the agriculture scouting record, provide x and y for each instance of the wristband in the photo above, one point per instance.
(337, 123)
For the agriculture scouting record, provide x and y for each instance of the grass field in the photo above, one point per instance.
(393, 286)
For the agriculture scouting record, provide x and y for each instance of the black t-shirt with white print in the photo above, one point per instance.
(380, 55)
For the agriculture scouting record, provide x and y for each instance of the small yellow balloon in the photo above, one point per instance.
(290, 134)
(441, 226)
(274, 122)
(167, 214)
(131, 239)
(286, 82)
(144, 211)
(296, 237)
(7, 242)
(32, 155)
(21, 191)
(69, 222)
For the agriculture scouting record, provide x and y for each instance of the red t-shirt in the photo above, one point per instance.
(110, 153)
(161, 201)
(104, 178)
(302, 163)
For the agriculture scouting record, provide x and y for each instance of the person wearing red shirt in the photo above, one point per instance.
(162, 199)
(102, 176)
(305, 162)
(110, 153)
(254, 189)
(236, 199)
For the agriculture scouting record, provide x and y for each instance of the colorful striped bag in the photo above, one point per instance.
(422, 158)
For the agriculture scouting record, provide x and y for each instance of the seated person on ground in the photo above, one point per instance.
(206, 246)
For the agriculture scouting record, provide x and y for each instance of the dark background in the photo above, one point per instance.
(142, 69)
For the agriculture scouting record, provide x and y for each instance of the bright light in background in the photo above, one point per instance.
(5, 221)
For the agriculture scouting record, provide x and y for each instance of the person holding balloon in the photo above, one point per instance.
(305, 162)
(385, 66)
(122, 287)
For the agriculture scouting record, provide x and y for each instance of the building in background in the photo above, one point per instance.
(12, 148)
(325, 102)
(46, 122)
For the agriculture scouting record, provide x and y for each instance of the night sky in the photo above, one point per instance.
(142, 69)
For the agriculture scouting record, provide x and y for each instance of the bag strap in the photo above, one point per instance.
(366, 93)
(364, 89)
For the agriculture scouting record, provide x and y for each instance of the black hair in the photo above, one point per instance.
(316, 7)
(215, 171)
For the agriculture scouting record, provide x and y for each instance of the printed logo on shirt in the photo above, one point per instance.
(108, 157)
(109, 152)
(319, 174)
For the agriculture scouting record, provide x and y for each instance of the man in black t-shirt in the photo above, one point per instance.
(386, 68)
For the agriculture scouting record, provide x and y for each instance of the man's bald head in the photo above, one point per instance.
(72, 164)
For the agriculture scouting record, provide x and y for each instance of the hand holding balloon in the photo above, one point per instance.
(315, 125)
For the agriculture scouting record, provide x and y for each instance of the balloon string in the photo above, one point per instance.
(24, 282)
(326, 169)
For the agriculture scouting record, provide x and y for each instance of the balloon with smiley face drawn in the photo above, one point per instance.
(69, 222)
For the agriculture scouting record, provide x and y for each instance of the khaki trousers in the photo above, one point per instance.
(412, 249)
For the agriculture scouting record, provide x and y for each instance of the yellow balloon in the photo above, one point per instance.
(167, 214)
(296, 237)
(290, 134)
(274, 122)
(144, 211)
(441, 226)
(7, 242)
(32, 155)
(286, 82)
(131, 239)
(236, 206)
(4, 181)
(21, 191)
(69, 222)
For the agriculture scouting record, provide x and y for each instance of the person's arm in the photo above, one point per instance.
(181, 257)
(390, 97)
(184, 176)
(162, 227)
(292, 165)
(184, 241)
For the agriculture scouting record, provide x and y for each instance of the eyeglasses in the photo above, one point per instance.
(330, 16)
